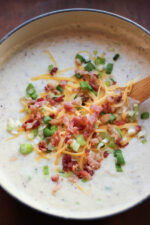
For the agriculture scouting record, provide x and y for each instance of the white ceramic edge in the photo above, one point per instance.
(115, 210)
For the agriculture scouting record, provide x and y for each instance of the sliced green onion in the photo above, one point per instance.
(78, 75)
(109, 68)
(76, 96)
(116, 57)
(145, 115)
(118, 168)
(100, 74)
(26, 148)
(107, 82)
(84, 180)
(99, 60)
(112, 143)
(144, 141)
(80, 139)
(27, 110)
(95, 52)
(75, 145)
(119, 156)
(104, 135)
(81, 58)
(119, 131)
(85, 86)
(50, 67)
(59, 88)
(46, 119)
(49, 131)
(35, 132)
(31, 92)
(52, 95)
(46, 170)
(89, 67)
(100, 145)
(112, 118)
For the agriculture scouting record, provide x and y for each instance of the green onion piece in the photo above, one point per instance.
(27, 110)
(145, 115)
(35, 132)
(144, 141)
(85, 86)
(112, 80)
(107, 82)
(119, 156)
(100, 145)
(46, 119)
(31, 92)
(77, 95)
(89, 67)
(80, 139)
(50, 67)
(112, 143)
(104, 135)
(84, 180)
(95, 52)
(100, 74)
(99, 60)
(78, 75)
(81, 58)
(136, 109)
(49, 131)
(26, 148)
(112, 118)
(46, 170)
(59, 88)
(109, 68)
(116, 57)
(118, 168)
(94, 92)
(119, 131)
(75, 145)
(66, 174)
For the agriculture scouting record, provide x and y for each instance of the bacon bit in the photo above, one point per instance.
(63, 83)
(55, 178)
(69, 107)
(107, 107)
(93, 82)
(119, 122)
(94, 86)
(110, 99)
(49, 87)
(56, 188)
(114, 83)
(57, 121)
(114, 134)
(96, 108)
(68, 164)
(89, 170)
(119, 98)
(105, 118)
(106, 154)
(138, 128)
(59, 99)
(55, 139)
(54, 70)
(30, 124)
(94, 142)
(84, 174)
(42, 146)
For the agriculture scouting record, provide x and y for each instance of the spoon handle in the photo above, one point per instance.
(141, 89)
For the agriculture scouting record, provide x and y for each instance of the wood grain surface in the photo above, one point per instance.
(14, 12)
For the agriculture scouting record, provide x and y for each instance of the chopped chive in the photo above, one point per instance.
(107, 82)
(26, 148)
(50, 67)
(59, 88)
(109, 68)
(145, 115)
(89, 67)
(46, 119)
(100, 74)
(119, 156)
(119, 131)
(31, 92)
(76, 96)
(81, 58)
(118, 168)
(84, 180)
(116, 57)
(99, 60)
(144, 141)
(78, 75)
(86, 86)
(46, 170)
(49, 131)
(80, 139)
(112, 118)
(35, 132)
(75, 145)
(112, 144)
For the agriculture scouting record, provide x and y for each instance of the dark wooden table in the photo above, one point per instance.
(14, 12)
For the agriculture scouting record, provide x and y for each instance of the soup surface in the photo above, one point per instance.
(108, 191)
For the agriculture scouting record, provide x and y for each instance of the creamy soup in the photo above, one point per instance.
(108, 191)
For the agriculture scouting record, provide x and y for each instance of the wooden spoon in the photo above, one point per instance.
(141, 90)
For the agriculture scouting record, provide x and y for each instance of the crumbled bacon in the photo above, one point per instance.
(63, 83)
(105, 118)
(119, 122)
(69, 107)
(56, 188)
(42, 146)
(54, 70)
(118, 98)
(107, 107)
(105, 154)
(89, 170)
(84, 174)
(59, 99)
(50, 87)
(55, 139)
(58, 121)
(77, 101)
(114, 133)
(55, 178)
(121, 145)
(68, 163)
(30, 124)
(96, 108)
(138, 128)
(73, 179)
(94, 86)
